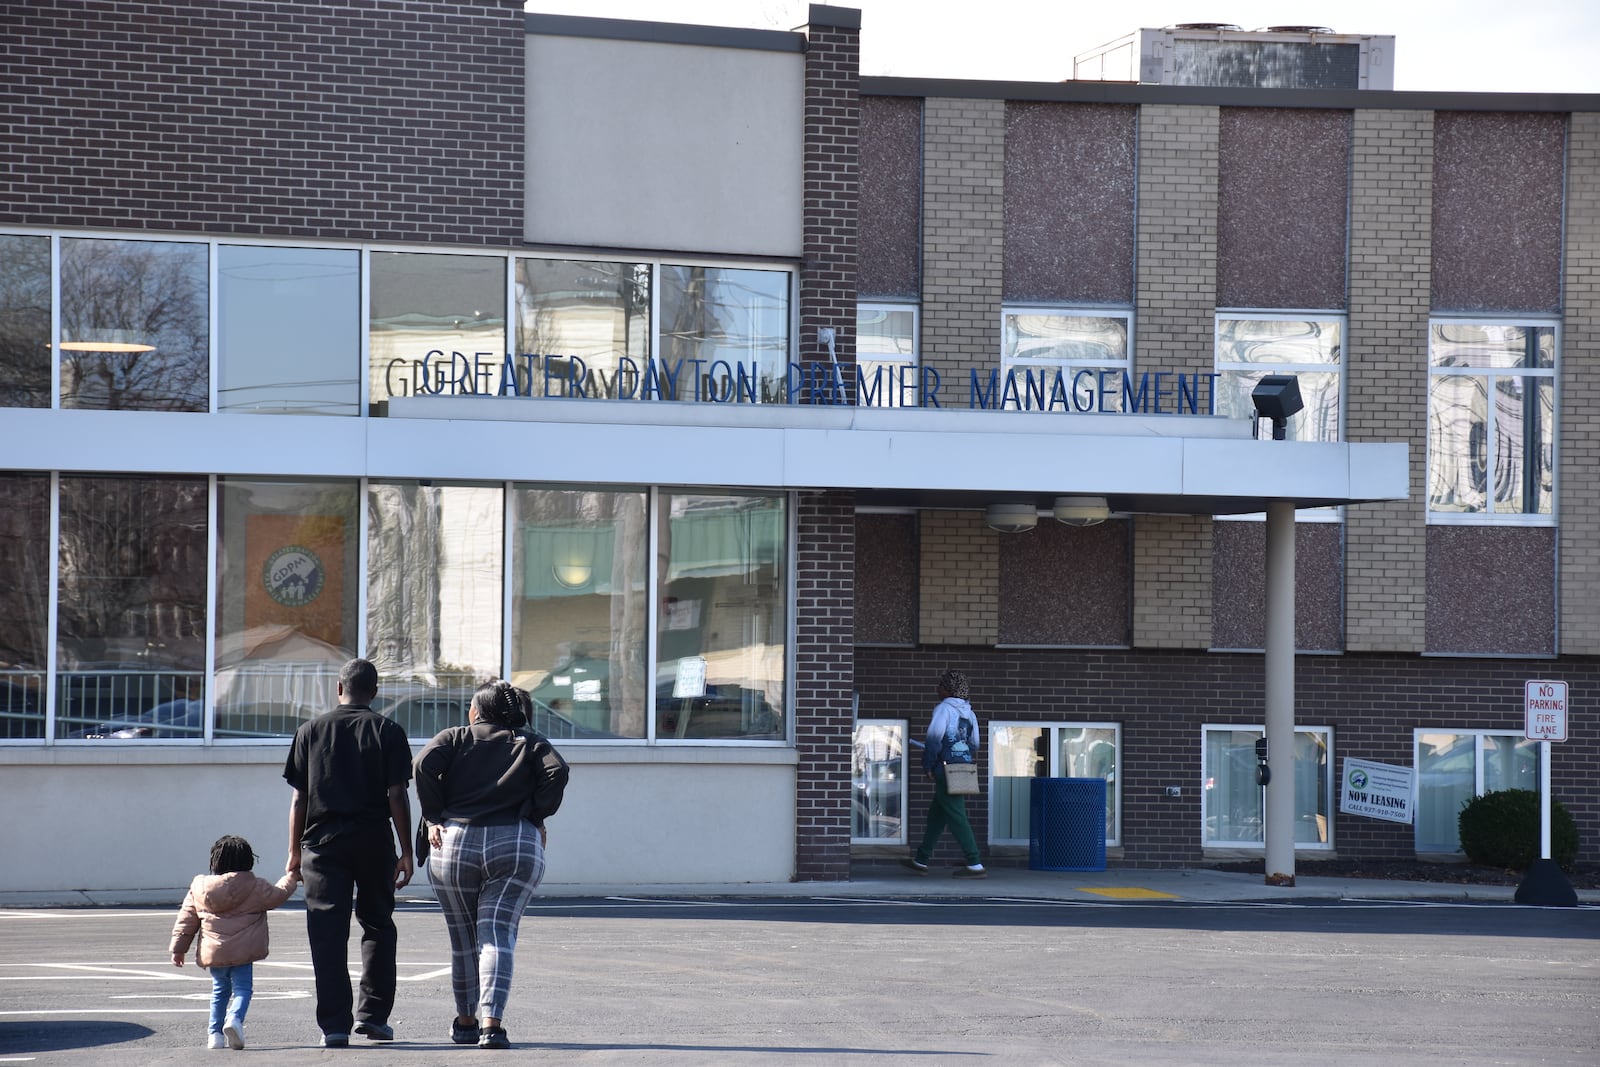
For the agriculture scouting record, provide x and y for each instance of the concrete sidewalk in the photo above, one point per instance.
(881, 880)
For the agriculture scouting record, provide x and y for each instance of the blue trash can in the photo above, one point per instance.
(1067, 824)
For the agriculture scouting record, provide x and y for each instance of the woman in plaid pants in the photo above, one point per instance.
(473, 782)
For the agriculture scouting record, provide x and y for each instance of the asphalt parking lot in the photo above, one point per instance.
(864, 978)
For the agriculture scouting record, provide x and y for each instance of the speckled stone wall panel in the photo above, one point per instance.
(1283, 188)
(1373, 702)
(959, 593)
(891, 198)
(1386, 371)
(886, 579)
(1239, 586)
(1492, 590)
(1066, 585)
(1172, 581)
(1069, 210)
(1176, 301)
(1579, 505)
(1497, 180)
(963, 178)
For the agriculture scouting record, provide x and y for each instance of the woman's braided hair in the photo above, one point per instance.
(501, 703)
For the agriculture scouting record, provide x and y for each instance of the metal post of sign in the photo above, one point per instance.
(1546, 883)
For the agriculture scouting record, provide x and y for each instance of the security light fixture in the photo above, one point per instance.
(1011, 518)
(1277, 396)
(1082, 510)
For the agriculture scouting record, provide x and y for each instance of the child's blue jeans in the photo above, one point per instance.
(230, 994)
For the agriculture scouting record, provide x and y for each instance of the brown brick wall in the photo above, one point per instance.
(1162, 699)
(832, 188)
(354, 119)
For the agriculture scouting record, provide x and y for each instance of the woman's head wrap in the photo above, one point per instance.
(956, 684)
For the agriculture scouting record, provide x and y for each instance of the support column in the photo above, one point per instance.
(1280, 693)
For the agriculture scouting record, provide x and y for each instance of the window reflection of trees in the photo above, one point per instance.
(1249, 349)
(24, 321)
(716, 313)
(147, 292)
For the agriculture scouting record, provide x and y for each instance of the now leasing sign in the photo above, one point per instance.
(1376, 790)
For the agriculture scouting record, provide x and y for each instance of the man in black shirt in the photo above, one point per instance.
(349, 770)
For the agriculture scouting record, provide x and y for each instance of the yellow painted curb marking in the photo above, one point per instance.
(1127, 893)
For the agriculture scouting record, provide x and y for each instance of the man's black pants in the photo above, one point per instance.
(359, 865)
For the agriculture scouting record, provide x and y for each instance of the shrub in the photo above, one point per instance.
(1501, 829)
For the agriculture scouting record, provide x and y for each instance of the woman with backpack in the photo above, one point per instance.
(952, 738)
(485, 790)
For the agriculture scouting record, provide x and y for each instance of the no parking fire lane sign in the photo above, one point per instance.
(1546, 704)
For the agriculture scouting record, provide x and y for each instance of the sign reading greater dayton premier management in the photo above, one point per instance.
(1376, 790)
(716, 381)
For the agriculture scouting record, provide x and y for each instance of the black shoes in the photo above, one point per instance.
(494, 1037)
(464, 1035)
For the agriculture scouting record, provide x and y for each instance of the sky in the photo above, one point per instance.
(1503, 46)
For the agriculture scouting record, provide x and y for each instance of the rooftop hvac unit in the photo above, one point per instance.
(1278, 57)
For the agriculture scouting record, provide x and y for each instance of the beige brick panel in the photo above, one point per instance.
(1386, 368)
(963, 223)
(1174, 330)
(960, 579)
(1172, 581)
(1176, 299)
(1579, 435)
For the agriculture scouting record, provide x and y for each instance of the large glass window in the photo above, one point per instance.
(135, 325)
(24, 321)
(1455, 766)
(130, 640)
(24, 603)
(1023, 751)
(720, 634)
(1233, 805)
(438, 324)
(287, 583)
(878, 782)
(1043, 340)
(288, 330)
(886, 355)
(730, 327)
(1252, 345)
(580, 609)
(1491, 418)
(435, 598)
(594, 313)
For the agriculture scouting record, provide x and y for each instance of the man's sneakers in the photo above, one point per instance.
(335, 1040)
(914, 863)
(375, 1031)
(216, 1041)
(233, 1031)
(974, 870)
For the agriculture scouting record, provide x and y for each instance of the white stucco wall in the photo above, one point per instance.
(116, 817)
(646, 145)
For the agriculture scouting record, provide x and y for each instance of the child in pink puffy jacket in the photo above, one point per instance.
(228, 909)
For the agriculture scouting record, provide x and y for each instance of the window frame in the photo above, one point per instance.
(1328, 798)
(857, 782)
(1477, 734)
(1491, 517)
(1052, 728)
(890, 307)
